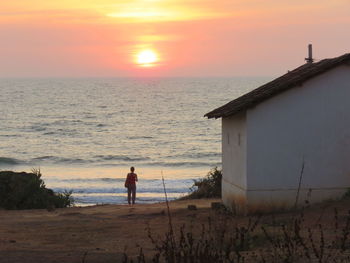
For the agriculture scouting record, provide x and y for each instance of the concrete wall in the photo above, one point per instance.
(234, 181)
(309, 124)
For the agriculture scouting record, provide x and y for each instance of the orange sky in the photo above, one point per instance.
(97, 38)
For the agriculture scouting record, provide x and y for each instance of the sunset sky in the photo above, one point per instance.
(125, 38)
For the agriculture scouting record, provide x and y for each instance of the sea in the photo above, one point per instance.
(85, 134)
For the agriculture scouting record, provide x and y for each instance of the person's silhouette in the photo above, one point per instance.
(130, 183)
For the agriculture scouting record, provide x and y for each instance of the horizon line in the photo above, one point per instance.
(133, 77)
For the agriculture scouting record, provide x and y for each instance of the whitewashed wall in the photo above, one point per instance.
(310, 123)
(234, 160)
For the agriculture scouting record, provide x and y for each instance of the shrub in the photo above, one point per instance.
(346, 195)
(208, 187)
(225, 240)
(28, 191)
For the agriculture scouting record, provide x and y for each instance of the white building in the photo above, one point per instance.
(289, 140)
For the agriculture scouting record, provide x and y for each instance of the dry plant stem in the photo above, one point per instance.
(226, 241)
(299, 185)
(84, 257)
(171, 230)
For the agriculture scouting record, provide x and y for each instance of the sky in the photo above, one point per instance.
(167, 38)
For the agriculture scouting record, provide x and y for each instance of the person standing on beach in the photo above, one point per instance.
(130, 183)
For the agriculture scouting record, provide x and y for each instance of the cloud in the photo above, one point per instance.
(142, 11)
(107, 11)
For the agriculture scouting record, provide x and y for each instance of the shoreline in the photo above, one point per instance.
(111, 171)
(101, 185)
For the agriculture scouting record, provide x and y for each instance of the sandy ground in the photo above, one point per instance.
(103, 232)
(65, 235)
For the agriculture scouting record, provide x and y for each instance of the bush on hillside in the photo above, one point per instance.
(28, 191)
(208, 187)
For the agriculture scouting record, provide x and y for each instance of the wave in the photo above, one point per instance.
(151, 163)
(9, 135)
(177, 164)
(139, 137)
(115, 179)
(94, 180)
(120, 158)
(197, 155)
(36, 128)
(64, 122)
(113, 190)
(10, 161)
(58, 160)
(50, 133)
(102, 160)
(112, 160)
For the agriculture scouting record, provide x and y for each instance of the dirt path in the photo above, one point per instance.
(65, 235)
(101, 233)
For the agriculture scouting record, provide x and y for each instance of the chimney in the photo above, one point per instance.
(309, 59)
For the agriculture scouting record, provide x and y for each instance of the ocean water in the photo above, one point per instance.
(84, 134)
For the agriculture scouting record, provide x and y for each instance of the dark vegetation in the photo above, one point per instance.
(258, 239)
(346, 194)
(208, 187)
(28, 191)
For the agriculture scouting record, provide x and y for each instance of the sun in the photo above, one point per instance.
(147, 58)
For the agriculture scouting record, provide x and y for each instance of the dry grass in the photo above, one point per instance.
(296, 237)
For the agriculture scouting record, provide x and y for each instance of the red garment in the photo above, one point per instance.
(131, 178)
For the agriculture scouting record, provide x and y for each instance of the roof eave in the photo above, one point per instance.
(296, 78)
